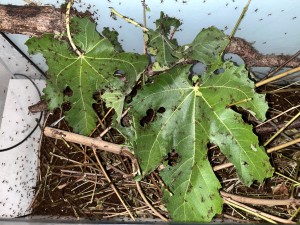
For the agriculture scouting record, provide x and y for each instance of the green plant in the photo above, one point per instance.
(176, 111)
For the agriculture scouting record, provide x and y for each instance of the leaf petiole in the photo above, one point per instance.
(70, 3)
(239, 102)
(129, 20)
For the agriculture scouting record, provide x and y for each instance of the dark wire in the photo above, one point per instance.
(38, 122)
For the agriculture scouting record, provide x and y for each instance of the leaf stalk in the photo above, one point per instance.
(129, 20)
(70, 3)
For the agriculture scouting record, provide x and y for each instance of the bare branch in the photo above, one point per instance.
(254, 58)
(260, 201)
(96, 143)
(31, 20)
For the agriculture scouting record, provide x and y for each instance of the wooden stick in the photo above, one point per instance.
(262, 215)
(88, 141)
(281, 129)
(258, 84)
(279, 147)
(260, 201)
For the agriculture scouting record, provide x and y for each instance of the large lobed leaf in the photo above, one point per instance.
(184, 119)
(85, 74)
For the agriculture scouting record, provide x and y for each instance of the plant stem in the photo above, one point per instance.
(129, 20)
(239, 20)
(222, 166)
(237, 24)
(282, 128)
(279, 147)
(260, 201)
(262, 215)
(284, 74)
(70, 3)
(292, 108)
(87, 141)
(288, 178)
(145, 23)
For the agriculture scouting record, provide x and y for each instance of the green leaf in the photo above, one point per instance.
(172, 115)
(165, 23)
(161, 47)
(112, 36)
(115, 100)
(207, 46)
(94, 70)
(53, 96)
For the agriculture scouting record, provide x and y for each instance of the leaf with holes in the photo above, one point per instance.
(94, 70)
(171, 116)
(115, 100)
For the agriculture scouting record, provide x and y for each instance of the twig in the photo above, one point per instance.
(222, 166)
(87, 141)
(279, 147)
(108, 128)
(236, 219)
(295, 182)
(148, 203)
(295, 214)
(237, 24)
(260, 201)
(292, 108)
(269, 128)
(262, 215)
(263, 82)
(112, 185)
(284, 64)
(282, 128)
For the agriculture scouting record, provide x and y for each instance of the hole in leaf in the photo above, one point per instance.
(125, 121)
(133, 93)
(121, 75)
(97, 96)
(68, 92)
(219, 71)
(236, 59)
(150, 116)
(99, 108)
(66, 106)
(173, 157)
(199, 68)
(161, 110)
(244, 163)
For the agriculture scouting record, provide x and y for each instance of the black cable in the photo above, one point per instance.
(23, 54)
(38, 122)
